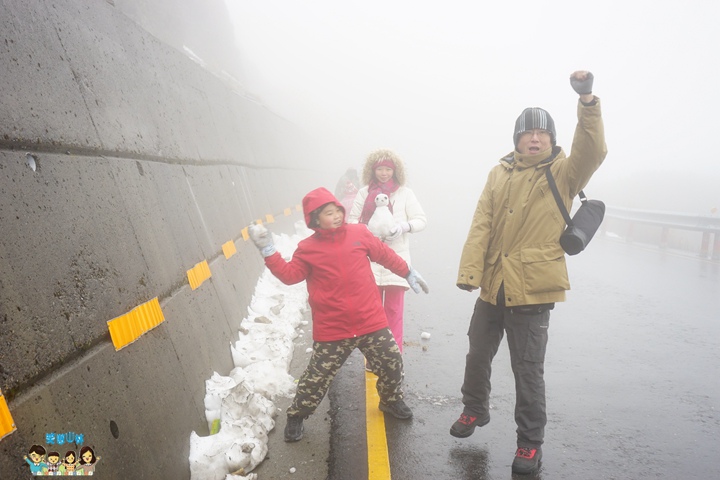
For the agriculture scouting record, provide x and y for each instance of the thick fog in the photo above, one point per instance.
(442, 85)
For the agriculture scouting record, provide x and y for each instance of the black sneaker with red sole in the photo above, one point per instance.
(465, 425)
(527, 460)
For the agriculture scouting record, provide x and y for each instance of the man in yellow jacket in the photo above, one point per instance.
(512, 253)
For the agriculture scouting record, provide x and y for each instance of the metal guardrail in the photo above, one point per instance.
(681, 221)
(709, 225)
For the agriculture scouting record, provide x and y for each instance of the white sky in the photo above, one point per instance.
(441, 83)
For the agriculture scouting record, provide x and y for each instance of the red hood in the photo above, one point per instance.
(316, 199)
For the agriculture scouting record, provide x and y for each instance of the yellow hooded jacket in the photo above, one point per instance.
(516, 228)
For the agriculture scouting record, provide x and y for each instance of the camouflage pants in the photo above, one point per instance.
(381, 352)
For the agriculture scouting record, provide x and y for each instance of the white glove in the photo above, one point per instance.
(262, 239)
(416, 282)
(397, 230)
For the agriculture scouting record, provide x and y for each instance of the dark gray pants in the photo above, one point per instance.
(379, 349)
(527, 335)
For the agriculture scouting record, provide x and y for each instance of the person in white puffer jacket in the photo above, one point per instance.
(384, 172)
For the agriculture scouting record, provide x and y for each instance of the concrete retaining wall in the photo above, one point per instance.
(122, 165)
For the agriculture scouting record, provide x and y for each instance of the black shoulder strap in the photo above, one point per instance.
(558, 199)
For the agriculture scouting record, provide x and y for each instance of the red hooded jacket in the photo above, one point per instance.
(344, 299)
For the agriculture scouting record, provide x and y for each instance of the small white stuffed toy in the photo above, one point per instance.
(382, 224)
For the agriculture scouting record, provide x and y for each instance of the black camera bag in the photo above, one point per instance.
(582, 226)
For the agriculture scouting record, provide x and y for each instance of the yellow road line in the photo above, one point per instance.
(377, 451)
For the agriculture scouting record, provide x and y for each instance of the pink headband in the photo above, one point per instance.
(385, 162)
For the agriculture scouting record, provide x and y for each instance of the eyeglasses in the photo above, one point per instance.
(535, 131)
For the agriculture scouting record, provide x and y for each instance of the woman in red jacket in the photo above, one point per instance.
(347, 312)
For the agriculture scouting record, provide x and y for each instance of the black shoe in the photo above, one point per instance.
(396, 409)
(465, 425)
(294, 429)
(527, 460)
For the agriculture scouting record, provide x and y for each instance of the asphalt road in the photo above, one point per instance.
(632, 373)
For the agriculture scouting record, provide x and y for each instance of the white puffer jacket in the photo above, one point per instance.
(406, 208)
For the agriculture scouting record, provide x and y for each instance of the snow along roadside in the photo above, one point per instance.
(243, 402)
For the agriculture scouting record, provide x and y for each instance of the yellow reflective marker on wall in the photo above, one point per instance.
(298, 208)
(229, 249)
(287, 212)
(269, 218)
(127, 328)
(245, 234)
(7, 425)
(198, 274)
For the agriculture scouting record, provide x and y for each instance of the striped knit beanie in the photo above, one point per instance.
(531, 118)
